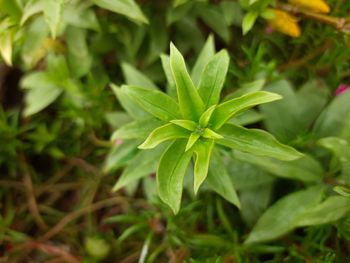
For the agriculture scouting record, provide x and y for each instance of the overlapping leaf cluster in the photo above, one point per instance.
(196, 122)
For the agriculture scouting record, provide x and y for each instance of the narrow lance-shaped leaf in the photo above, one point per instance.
(191, 104)
(139, 129)
(164, 133)
(219, 180)
(127, 8)
(135, 78)
(202, 151)
(207, 52)
(132, 108)
(284, 214)
(192, 140)
(229, 109)
(53, 13)
(154, 102)
(256, 142)
(6, 47)
(171, 173)
(144, 163)
(186, 124)
(332, 209)
(213, 78)
(204, 119)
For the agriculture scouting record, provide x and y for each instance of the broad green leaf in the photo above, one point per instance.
(31, 8)
(306, 169)
(213, 16)
(129, 104)
(42, 91)
(248, 117)
(127, 8)
(143, 164)
(330, 210)
(79, 57)
(164, 133)
(34, 42)
(333, 118)
(186, 124)
(154, 102)
(207, 52)
(229, 109)
(293, 116)
(139, 129)
(120, 155)
(202, 151)
(249, 21)
(53, 10)
(134, 77)
(283, 216)
(256, 142)
(192, 140)
(80, 14)
(58, 68)
(11, 8)
(213, 78)
(6, 46)
(171, 172)
(191, 104)
(219, 180)
(204, 119)
(341, 149)
(248, 87)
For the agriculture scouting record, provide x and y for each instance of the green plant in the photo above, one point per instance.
(197, 123)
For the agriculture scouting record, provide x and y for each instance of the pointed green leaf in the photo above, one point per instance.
(171, 88)
(256, 142)
(229, 109)
(205, 118)
(164, 133)
(208, 133)
(283, 216)
(330, 210)
(207, 52)
(134, 77)
(188, 125)
(248, 21)
(127, 8)
(42, 91)
(171, 173)
(202, 151)
(219, 180)
(120, 155)
(129, 104)
(213, 78)
(6, 46)
(192, 140)
(154, 102)
(144, 163)
(53, 14)
(191, 104)
(139, 129)
(305, 169)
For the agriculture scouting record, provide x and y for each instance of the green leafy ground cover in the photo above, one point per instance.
(156, 131)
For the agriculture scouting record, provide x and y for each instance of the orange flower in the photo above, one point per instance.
(284, 23)
(317, 6)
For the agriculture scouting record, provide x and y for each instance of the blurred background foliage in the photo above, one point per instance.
(58, 165)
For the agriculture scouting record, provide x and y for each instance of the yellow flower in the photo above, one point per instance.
(284, 23)
(317, 6)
